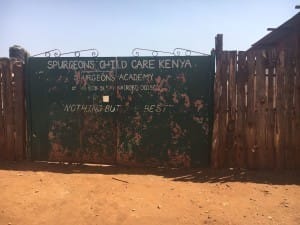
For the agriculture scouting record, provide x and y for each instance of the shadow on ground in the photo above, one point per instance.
(200, 175)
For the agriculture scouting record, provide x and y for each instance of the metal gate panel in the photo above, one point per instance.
(69, 120)
(133, 110)
(166, 118)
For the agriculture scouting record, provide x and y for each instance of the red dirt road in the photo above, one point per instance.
(43, 193)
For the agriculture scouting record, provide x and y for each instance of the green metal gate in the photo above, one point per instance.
(129, 110)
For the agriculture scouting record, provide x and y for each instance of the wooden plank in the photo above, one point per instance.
(19, 108)
(231, 107)
(10, 114)
(8, 153)
(290, 114)
(215, 134)
(216, 126)
(223, 115)
(280, 112)
(217, 93)
(240, 131)
(218, 46)
(220, 110)
(272, 106)
(2, 139)
(4, 153)
(260, 110)
(269, 152)
(297, 103)
(251, 122)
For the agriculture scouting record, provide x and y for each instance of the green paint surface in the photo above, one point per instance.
(143, 110)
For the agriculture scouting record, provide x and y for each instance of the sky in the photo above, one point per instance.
(115, 27)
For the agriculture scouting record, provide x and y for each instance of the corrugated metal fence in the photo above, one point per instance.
(12, 110)
(257, 109)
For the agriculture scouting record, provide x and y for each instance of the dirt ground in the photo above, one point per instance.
(46, 193)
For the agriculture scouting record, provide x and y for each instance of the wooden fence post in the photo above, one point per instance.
(19, 115)
(290, 83)
(260, 109)
(2, 133)
(219, 125)
(296, 114)
(230, 146)
(241, 114)
(280, 142)
(270, 63)
(297, 102)
(12, 110)
(218, 46)
(8, 110)
(250, 118)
